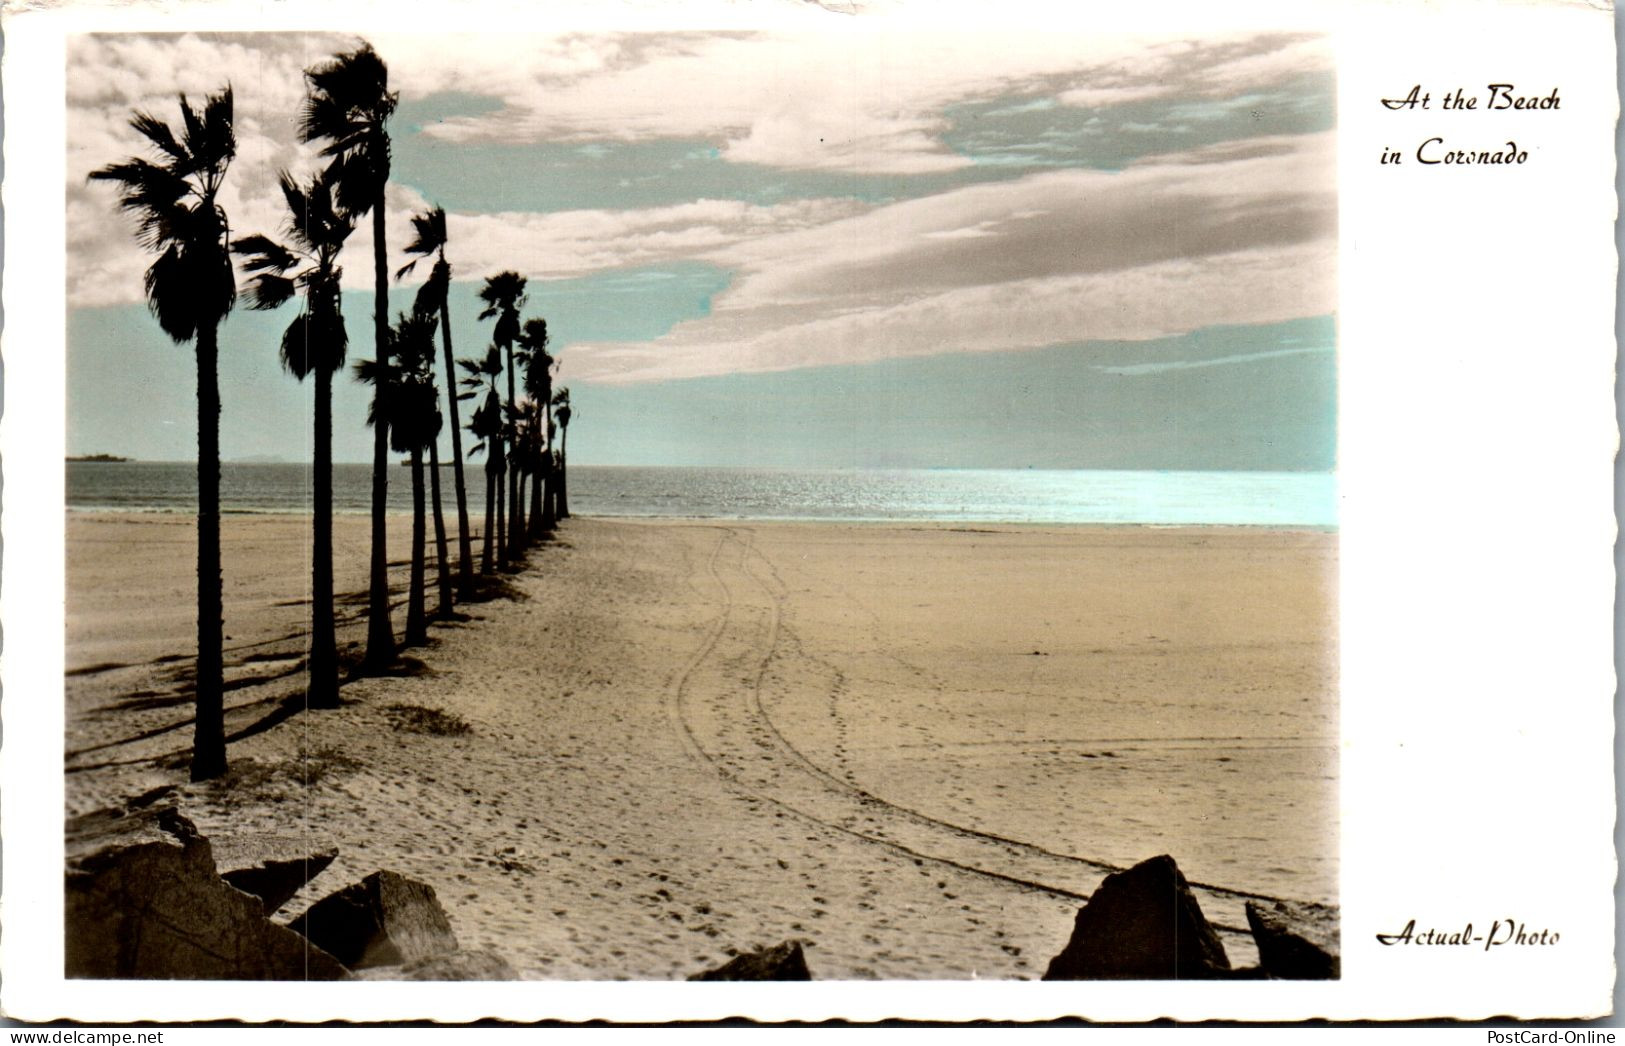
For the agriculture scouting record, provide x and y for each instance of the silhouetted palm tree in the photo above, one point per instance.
(313, 344)
(414, 423)
(190, 289)
(534, 340)
(434, 295)
(503, 295)
(562, 411)
(528, 424)
(487, 428)
(347, 106)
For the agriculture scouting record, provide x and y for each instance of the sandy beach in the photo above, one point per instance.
(913, 747)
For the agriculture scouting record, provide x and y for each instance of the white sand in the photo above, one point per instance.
(688, 738)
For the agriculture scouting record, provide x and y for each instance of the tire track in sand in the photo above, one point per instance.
(716, 707)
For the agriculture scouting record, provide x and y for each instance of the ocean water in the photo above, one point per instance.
(1289, 499)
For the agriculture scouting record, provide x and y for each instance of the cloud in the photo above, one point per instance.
(110, 77)
(575, 243)
(845, 97)
(1239, 232)
(1220, 236)
(1136, 369)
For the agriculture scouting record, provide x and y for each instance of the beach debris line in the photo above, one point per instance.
(1145, 924)
(781, 962)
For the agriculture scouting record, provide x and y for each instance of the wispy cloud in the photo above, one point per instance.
(1135, 369)
(1193, 240)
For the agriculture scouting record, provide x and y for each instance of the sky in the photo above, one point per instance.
(824, 242)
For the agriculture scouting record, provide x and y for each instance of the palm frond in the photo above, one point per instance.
(158, 133)
(429, 229)
(507, 328)
(315, 340)
(152, 193)
(194, 135)
(262, 254)
(354, 186)
(218, 142)
(505, 290)
(347, 105)
(296, 349)
(191, 284)
(169, 293)
(413, 342)
(268, 291)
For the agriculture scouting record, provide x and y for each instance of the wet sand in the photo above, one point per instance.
(912, 747)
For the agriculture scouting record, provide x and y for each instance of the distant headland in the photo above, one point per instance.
(97, 457)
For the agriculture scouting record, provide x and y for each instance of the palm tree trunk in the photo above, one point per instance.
(564, 472)
(380, 631)
(465, 552)
(538, 490)
(323, 688)
(502, 524)
(490, 505)
(549, 495)
(442, 566)
(515, 536)
(519, 519)
(417, 630)
(558, 494)
(209, 737)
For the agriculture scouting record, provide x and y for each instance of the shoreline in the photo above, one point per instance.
(668, 723)
(922, 523)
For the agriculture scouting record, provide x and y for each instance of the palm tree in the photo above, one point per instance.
(487, 427)
(503, 295)
(528, 428)
(534, 340)
(561, 411)
(348, 106)
(190, 288)
(313, 344)
(414, 423)
(430, 227)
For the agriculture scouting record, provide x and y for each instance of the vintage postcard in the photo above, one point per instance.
(944, 511)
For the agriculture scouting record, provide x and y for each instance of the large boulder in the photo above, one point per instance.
(782, 962)
(1142, 924)
(1296, 940)
(271, 867)
(143, 899)
(384, 920)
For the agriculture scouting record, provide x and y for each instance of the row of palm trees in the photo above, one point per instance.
(191, 287)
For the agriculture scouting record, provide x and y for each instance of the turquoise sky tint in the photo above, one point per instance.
(1102, 255)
